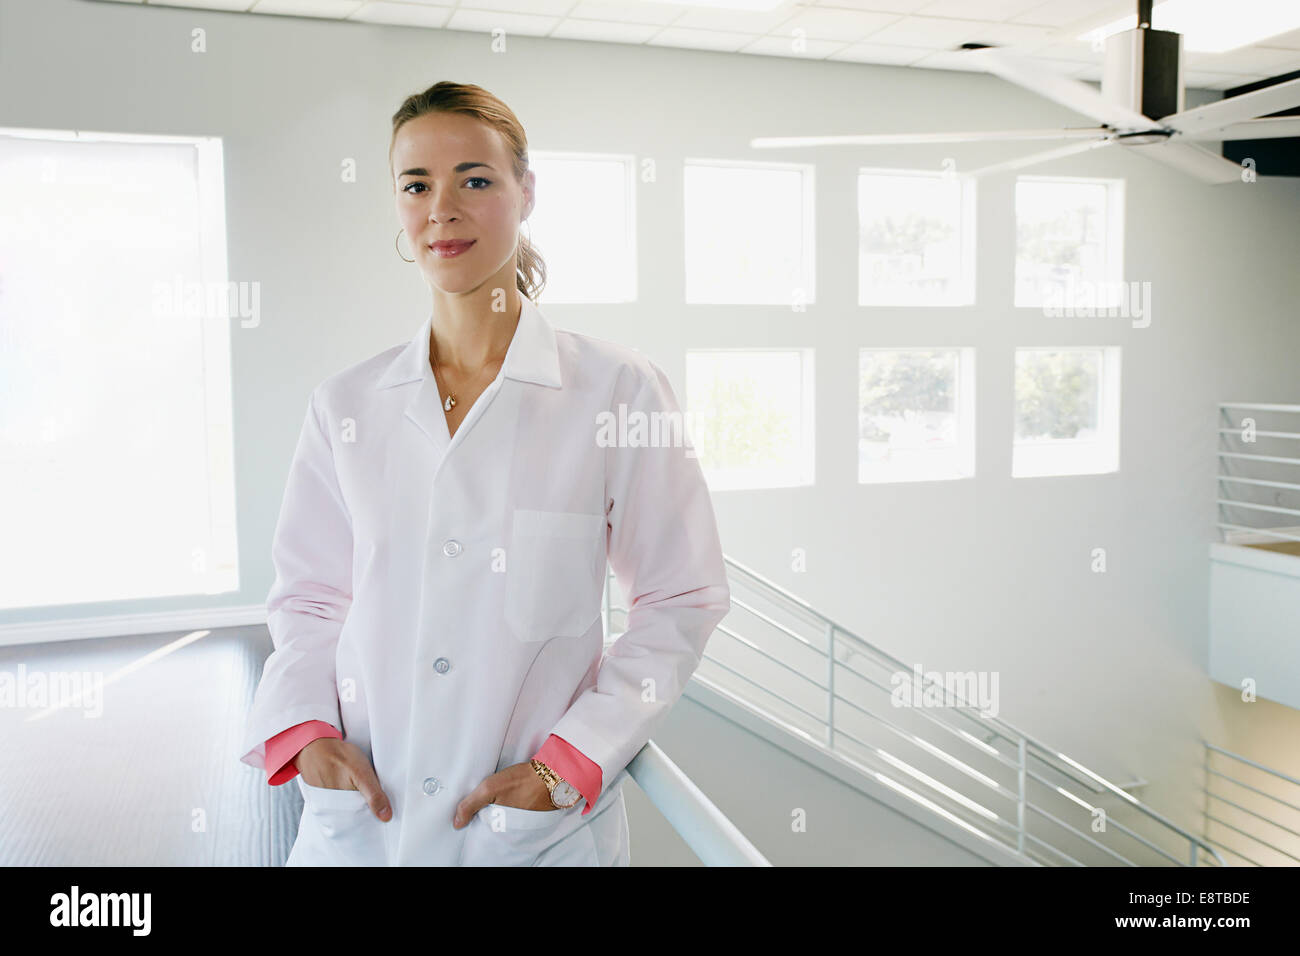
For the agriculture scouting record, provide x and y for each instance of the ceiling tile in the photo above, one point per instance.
(1011, 34)
(308, 8)
(781, 46)
(701, 39)
(843, 25)
(874, 6)
(746, 21)
(403, 14)
(933, 32)
(540, 8)
(485, 21)
(881, 53)
(1251, 59)
(630, 12)
(924, 33)
(603, 31)
(977, 9)
(1060, 13)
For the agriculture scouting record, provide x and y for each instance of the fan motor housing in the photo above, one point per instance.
(1144, 71)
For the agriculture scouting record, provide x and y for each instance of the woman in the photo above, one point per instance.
(438, 684)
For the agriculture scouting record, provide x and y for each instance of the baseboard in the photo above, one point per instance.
(118, 625)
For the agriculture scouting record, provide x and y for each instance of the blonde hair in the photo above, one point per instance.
(471, 100)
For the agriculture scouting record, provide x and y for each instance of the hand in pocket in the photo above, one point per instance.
(334, 764)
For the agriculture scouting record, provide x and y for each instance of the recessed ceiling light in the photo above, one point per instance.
(1211, 26)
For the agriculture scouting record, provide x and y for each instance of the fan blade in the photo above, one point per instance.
(1234, 109)
(1060, 89)
(1043, 157)
(1270, 128)
(885, 139)
(1194, 160)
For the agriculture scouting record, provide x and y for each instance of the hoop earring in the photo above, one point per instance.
(399, 248)
(529, 237)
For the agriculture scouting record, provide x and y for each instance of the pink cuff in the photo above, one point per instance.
(284, 746)
(571, 764)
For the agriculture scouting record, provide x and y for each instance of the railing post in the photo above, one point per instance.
(1020, 802)
(830, 686)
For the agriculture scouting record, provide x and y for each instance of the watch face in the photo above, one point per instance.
(565, 794)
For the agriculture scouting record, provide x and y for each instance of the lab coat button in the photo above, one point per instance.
(442, 665)
(431, 785)
(451, 548)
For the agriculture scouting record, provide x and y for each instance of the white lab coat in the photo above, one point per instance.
(438, 599)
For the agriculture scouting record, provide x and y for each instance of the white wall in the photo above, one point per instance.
(987, 573)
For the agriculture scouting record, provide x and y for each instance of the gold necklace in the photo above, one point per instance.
(450, 401)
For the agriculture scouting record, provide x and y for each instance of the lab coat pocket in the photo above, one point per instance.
(554, 573)
(511, 836)
(338, 828)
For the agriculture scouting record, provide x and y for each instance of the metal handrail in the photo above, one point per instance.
(1026, 746)
(709, 834)
(1058, 761)
(1247, 786)
(1258, 766)
(1012, 734)
(1254, 838)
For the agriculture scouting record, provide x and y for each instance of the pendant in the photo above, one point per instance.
(449, 404)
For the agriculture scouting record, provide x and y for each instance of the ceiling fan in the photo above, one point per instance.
(1140, 107)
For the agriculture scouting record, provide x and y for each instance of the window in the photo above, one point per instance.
(1067, 412)
(749, 233)
(1069, 243)
(584, 225)
(916, 414)
(116, 462)
(751, 416)
(916, 238)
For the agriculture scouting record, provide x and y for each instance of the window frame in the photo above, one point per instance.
(965, 293)
(1113, 230)
(629, 280)
(804, 472)
(807, 225)
(221, 574)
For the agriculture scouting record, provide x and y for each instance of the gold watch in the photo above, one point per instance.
(563, 793)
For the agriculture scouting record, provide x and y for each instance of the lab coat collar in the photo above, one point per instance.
(531, 357)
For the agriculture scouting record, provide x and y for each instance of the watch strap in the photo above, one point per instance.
(552, 780)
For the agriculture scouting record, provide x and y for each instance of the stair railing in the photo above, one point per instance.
(979, 772)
